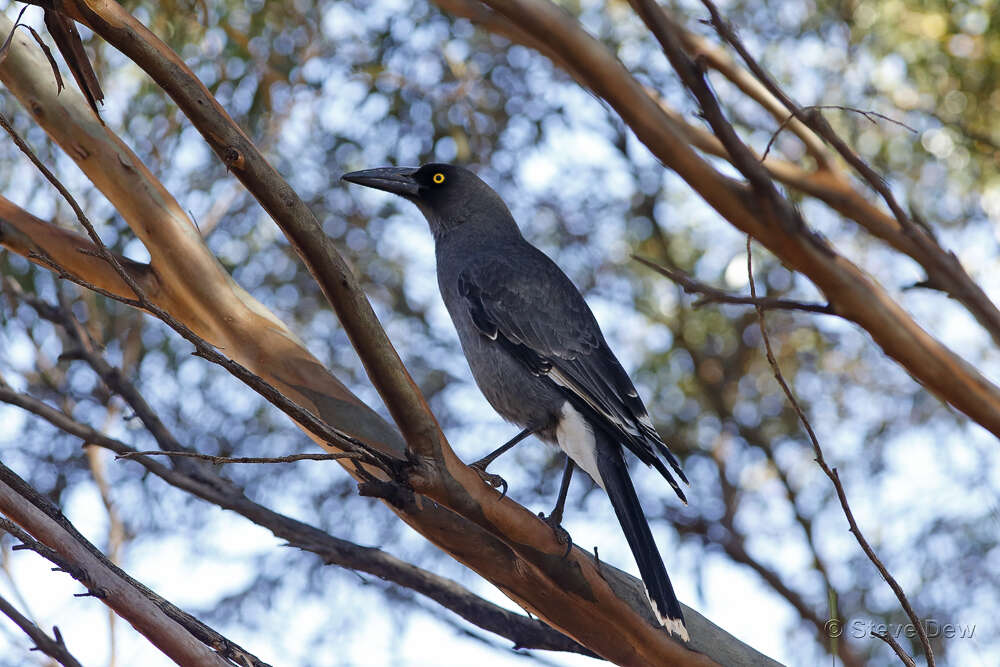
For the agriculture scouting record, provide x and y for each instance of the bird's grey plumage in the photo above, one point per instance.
(535, 348)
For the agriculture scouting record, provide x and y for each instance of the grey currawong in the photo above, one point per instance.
(536, 351)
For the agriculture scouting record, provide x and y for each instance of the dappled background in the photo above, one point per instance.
(329, 87)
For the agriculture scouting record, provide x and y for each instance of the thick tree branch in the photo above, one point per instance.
(505, 542)
(116, 381)
(243, 159)
(521, 630)
(180, 636)
(944, 271)
(183, 278)
(850, 292)
(33, 238)
(828, 184)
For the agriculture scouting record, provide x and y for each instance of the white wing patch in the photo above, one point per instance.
(576, 437)
(560, 379)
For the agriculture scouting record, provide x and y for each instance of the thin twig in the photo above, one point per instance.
(833, 475)
(27, 542)
(715, 295)
(894, 645)
(249, 459)
(40, 256)
(870, 115)
(692, 75)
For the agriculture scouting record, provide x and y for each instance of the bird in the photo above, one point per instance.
(537, 353)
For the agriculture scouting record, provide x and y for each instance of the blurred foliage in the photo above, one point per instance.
(327, 87)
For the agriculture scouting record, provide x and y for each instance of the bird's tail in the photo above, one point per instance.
(618, 484)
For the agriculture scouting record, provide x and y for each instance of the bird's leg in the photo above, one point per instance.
(496, 481)
(554, 519)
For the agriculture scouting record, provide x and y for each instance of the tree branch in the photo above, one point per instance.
(701, 50)
(905, 657)
(715, 295)
(835, 478)
(944, 271)
(850, 292)
(242, 158)
(521, 630)
(54, 647)
(509, 545)
(185, 279)
(828, 184)
(219, 460)
(180, 636)
(116, 381)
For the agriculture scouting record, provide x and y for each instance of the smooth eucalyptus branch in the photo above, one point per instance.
(835, 477)
(852, 293)
(42, 528)
(944, 271)
(827, 184)
(339, 439)
(243, 159)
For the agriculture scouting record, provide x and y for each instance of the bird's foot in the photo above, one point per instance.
(496, 481)
(554, 522)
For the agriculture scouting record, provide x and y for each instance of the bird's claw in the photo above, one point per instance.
(562, 535)
(496, 481)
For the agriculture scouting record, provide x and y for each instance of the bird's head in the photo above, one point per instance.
(448, 195)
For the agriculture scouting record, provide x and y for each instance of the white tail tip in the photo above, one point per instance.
(674, 626)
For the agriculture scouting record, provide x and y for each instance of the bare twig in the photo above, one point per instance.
(43, 258)
(5, 49)
(715, 295)
(870, 115)
(54, 646)
(812, 119)
(218, 460)
(894, 645)
(834, 476)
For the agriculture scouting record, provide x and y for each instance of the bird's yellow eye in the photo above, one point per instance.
(438, 178)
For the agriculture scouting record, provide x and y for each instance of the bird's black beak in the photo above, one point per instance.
(397, 180)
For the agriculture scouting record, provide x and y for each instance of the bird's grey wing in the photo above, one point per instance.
(536, 312)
